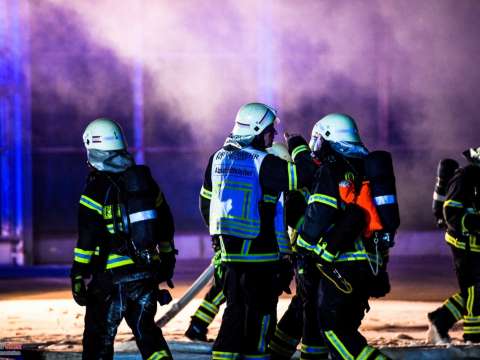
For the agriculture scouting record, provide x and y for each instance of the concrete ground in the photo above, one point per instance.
(36, 307)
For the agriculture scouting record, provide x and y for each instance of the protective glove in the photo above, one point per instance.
(79, 291)
(285, 274)
(380, 286)
(163, 296)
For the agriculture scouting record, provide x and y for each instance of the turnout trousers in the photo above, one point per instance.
(341, 314)
(108, 304)
(211, 303)
(301, 320)
(251, 294)
(466, 303)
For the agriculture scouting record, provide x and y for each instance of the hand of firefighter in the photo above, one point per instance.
(79, 291)
(285, 275)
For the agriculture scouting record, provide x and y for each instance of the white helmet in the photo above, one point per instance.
(334, 128)
(280, 150)
(104, 134)
(473, 155)
(253, 118)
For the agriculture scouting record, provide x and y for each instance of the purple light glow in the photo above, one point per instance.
(407, 71)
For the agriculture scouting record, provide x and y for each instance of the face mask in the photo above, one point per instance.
(111, 161)
(349, 149)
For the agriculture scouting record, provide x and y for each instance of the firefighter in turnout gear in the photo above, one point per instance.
(125, 245)
(214, 298)
(209, 307)
(300, 320)
(461, 211)
(238, 200)
(337, 232)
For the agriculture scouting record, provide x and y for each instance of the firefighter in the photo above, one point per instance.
(300, 322)
(332, 236)
(238, 200)
(462, 218)
(125, 245)
(210, 305)
(214, 298)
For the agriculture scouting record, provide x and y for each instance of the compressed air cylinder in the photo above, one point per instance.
(379, 171)
(445, 171)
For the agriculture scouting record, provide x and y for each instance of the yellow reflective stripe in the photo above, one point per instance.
(250, 258)
(81, 260)
(84, 252)
(471, 329)
(310, 349)
(298, 150)
(202, 316)
(246, 247)
(324, 199)
(453, 241)
(209, 306)
(82, 256)
(207, 194)
(91, 204)
(470, 300)
(219, 298)
(335, 341)
(453, 203)
(224, 355)
(473, 243)
(157, 355)
(451, 307)
(292, 176)
(319, 249)
(165, 246)
(359, 256)
(115, 261)
(366, 352)
(458, 298)
(269, 199)
(299, 223)
(381, 357)
(262, 342)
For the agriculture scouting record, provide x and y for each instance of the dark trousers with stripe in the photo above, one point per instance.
(251, 292)
(301, 320)
(211, 303)
(465, 304)
(341, 314)
(108, 304)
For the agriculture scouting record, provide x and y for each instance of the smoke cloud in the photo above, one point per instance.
(407, 71)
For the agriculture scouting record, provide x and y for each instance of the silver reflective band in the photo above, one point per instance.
(385, 200)
(143, 215)
(438, 197)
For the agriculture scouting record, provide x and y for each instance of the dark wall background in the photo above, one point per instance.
(407, 72)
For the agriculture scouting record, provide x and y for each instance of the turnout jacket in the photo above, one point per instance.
(324, 209)
(94, 251)
(461, 209)
(274, 177)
